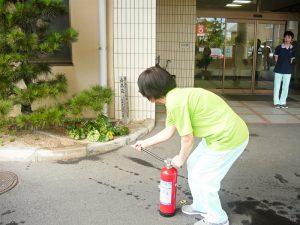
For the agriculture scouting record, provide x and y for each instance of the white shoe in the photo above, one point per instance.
(204, 222)
(187, 209)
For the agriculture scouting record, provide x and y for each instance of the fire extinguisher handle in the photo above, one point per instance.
(168, 163)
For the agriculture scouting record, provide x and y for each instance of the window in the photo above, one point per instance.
(65, 55)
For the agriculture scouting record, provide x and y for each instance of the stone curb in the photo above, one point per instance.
(11, 153)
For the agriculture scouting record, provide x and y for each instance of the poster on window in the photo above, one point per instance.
(200, 30)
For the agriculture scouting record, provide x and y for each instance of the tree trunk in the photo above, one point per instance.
(26, 109)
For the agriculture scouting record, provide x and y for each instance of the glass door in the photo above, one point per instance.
(236, 56)
(209, 52)
(239, 47)
(269, 35)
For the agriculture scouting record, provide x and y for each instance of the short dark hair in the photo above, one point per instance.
(155, 82)
(288, 33)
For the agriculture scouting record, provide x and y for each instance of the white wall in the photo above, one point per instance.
(176, 38)
(134, 35)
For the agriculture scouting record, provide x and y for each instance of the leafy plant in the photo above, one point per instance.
(101, 129)
(120, 130)
(93, 135)
(76, 133)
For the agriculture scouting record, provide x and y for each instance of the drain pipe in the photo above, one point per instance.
(103, 47)
(258, 2)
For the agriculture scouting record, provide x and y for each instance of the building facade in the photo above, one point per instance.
(132, 35)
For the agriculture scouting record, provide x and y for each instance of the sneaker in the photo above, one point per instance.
(277, 106)
(187, 209)
(204, 222)
(284, 106)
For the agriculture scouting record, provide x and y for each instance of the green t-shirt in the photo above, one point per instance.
(204, 114)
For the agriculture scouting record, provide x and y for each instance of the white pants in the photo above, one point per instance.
(285, 79)
(206, 169)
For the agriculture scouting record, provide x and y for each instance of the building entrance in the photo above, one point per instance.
(236, 55)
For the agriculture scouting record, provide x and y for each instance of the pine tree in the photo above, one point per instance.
(26, 40)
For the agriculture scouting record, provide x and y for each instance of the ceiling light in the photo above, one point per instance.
(242, 1)
(233, 5)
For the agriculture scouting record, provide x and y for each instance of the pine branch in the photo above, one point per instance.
(41, 89)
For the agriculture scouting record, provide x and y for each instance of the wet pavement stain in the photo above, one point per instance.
(265, 201)
(277, 204)
(280, 178)
(142, 162)
(298, 197)
(76, 161)
(148, 207)
(182, 177)
(253, 135)
(147, 164)
(103, 183)
(258, 215)
(15, 223)
(137, 197)
(226, 191)
(28, 165)
(188, 194)
(297, 174)
(134, 173)
(7, 212)
(246, 222)
(12, 223)
(282, 212)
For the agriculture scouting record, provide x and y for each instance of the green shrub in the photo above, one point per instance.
(101, 129)
(94, 98)
(42, 118)
(120, 130)
(5, 107)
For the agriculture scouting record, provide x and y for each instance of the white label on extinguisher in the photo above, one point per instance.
(165, 192)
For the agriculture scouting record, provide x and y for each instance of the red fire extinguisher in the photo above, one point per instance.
(168, 187)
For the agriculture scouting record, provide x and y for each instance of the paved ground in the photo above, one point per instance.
(121, 187)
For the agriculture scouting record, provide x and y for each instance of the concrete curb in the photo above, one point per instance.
(11, 153)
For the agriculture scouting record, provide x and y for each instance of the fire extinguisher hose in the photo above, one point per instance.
(153, 155)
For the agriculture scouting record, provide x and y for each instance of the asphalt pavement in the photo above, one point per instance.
(121, 187)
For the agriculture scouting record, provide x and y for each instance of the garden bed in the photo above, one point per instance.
(50, 138)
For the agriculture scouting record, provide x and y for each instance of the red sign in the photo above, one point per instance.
(200, 30)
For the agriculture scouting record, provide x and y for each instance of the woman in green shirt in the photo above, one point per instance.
(195, 112)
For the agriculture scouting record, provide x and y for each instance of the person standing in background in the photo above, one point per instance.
(266, 56)
(259, 57)
(284, 56)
